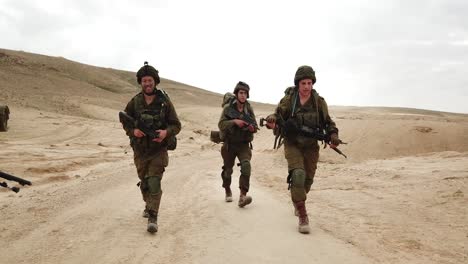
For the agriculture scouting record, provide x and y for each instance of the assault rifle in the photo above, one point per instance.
(130, 121)
(289, 127)
(232, 113)
(9, 177)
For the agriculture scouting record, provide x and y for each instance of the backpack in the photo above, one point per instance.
(228, 98)
(218, 136)
(171, 141)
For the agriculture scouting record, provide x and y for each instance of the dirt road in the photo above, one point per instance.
(95, 217)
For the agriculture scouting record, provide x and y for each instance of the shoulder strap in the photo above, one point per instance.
(164, 99)
(135, 104)
(321, 114)
(294, 102)
(163, 95)
(248, 108)
(292, 92)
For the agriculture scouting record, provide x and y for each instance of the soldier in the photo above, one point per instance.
(302, 107)
(152, 107)
(4, 116)
(238, 135)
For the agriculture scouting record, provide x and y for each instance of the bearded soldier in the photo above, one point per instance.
(302, 109)
(152, 108)
(237, 125)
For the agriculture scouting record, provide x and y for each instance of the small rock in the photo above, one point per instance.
(458, 193)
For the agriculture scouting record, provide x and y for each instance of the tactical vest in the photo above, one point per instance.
(236, 134)
(311, 114)
(154, 116)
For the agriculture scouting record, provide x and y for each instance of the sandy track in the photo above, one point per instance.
(102, 223)
(84, 205)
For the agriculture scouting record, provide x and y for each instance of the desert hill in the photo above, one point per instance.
(58, 85)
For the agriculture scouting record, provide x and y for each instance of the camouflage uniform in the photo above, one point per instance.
(150, 157)
(301, 152)
(237, 143)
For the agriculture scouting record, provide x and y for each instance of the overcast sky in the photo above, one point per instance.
(365, 53)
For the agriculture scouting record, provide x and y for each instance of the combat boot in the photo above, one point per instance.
(228, 197)
(303, 218)
(152, 222)
(244, 199)
(145, 213)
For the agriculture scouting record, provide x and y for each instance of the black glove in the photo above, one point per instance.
(334, 140)
(271, 118)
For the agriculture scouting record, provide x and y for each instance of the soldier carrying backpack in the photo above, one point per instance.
(303, 110)
(237, 125)
(151, 109)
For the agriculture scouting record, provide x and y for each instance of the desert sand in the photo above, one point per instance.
(400, 197)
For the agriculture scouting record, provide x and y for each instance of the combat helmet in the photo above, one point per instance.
(242, 86)
(148, 70)
(304, 72)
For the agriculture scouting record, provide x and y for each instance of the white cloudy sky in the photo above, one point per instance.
(365, 53)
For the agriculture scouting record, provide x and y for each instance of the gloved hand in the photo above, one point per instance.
(138, 133)
(334, 140)
(271, 118)
(271, 121)
(240, 123)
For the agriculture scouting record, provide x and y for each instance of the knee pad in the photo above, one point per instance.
(245, 167)
(154, 184)
(298, 178)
